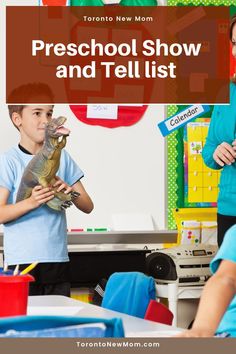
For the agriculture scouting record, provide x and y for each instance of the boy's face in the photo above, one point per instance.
(32, 121)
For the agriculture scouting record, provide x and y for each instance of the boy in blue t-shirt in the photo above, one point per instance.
(32, 231)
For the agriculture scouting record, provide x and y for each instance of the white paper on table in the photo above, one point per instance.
(53, 310)
(104, 111)
(132, 222)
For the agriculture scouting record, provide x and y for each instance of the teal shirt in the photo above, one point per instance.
(227, 251)
(223, 129)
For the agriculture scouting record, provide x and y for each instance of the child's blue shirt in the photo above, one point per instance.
(223, 129)
(41, 234)
(227, 251)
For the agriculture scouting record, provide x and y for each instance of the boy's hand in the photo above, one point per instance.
(62, 186)
(40, 196)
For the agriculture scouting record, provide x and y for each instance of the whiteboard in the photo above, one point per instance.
(124, 167)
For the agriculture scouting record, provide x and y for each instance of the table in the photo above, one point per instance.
(173, 292)
(133, 326)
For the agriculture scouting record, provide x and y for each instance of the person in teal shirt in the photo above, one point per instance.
(217, 309)
(219, 152)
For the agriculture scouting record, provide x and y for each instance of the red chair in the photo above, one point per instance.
(158, 312)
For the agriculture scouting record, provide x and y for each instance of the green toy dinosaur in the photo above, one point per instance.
(42, 169)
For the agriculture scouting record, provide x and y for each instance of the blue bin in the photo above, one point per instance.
(60, 326)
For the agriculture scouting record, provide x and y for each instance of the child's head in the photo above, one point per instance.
(30, 119)
(36, 92)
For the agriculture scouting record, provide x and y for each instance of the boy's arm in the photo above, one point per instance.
(216, 296)
(10, 212)
(83, 202)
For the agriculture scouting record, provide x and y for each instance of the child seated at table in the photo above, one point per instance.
(217, 308)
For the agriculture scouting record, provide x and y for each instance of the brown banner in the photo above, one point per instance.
(126, 345)
(119, 54)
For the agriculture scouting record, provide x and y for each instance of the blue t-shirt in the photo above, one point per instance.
(41, 234)
(227, 251)
(223, 129)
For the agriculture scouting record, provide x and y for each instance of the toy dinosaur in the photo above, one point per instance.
(42, 169)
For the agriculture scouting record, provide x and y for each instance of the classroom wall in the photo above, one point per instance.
(124, 167)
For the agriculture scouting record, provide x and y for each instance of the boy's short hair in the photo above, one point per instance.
(26, 94)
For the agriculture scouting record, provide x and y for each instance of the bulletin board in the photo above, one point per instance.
(179, 184)
(188, 180)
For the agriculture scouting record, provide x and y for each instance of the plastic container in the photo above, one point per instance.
(14, 290)
(37, 326)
